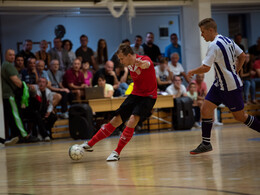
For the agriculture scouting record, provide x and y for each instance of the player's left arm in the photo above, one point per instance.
(240, 61)
(143, 64)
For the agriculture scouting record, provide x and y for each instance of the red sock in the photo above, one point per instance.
(102, 133)
(124, 139)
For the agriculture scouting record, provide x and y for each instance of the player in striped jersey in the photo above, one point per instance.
(227, 59)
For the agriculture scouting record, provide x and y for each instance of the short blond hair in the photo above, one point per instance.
(208, 23)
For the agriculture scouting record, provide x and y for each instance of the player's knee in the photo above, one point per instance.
(240, 117)
(133, 120)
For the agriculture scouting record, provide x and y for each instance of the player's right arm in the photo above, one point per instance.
(200, 70)
(240, 61)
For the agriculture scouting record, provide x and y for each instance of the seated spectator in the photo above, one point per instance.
(110, 75)
(108, 89)
(43, 55)
(56, 86)
(254, 51)
(238, 40)
(58, 53)
(26, 51)
(40, 109)
(30, 75)
(176, 68)
(19, 65)
(247, 73)
(88, 76)
(122, 74)
(101, 54)
(256, 67)
(11, 84)
(137, 46)
(163, 75)
(201, 86)
(86, 53)
(174, 47)
(150, 49)
(67, 45)
(176, 89)
(74, 80)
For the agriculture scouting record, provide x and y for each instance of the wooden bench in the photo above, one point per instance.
(61, 127)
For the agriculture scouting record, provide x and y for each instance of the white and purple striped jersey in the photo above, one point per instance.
(223, 53)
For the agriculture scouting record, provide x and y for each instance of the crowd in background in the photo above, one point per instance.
(58, 76)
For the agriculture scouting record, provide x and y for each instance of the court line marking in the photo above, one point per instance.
(132, 186)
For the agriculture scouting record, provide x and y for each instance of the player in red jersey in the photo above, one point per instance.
(136, 107)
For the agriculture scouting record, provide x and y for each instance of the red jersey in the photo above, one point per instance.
(145, 83)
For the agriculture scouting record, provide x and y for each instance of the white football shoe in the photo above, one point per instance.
(86, 147)
(113, 156)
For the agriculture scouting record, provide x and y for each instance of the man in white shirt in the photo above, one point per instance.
(228, 59)
(176, 89)
(163, 74)
(176, 67)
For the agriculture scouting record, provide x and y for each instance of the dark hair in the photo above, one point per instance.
(173, 34)
(64, 42)
(125, 49)
(102, 77)
(18, 56)
(82, 36)
(208, 23)
(126, 41)
(27, 40)
(192, 84)
(238, 34)
(99, 57)
(57, 38)
(139, 36)
(163, 61)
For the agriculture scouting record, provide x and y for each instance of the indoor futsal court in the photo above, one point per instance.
(154, 163)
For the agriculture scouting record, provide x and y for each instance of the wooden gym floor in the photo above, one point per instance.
(155, 163)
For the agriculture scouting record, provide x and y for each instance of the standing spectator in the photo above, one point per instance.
(55, 76)
(67, 45)
(88, 76)
(163, 75)
(57, 52)
(110, 75)
(10, 85)
(26, 51)
(74, 80)
(176, 67)
(108, 89)
(176, 89)
(86, 53)
(19, 65)
(238, 40)
(30, 75)
(247, 73)
(150, 49)
(137, 46)
(254, 51)
(43, 55)
(101, 54)
(174, 47)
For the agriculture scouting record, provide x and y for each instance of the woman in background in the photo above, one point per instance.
(101, 54)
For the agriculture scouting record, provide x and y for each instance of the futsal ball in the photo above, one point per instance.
(76, 152)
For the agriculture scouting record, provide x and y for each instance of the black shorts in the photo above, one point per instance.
(136, 105)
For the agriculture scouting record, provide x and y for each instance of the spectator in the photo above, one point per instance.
(176, 89)
(10, 142)
(57, 52)
(41, 109)
(19, 65)
(101, 54)
(122, 74)
(201, 86)
(30, 75)
(110, 75)
(26, 51)
(74, 80)
(256, 67)
(238, 40)
(176, 68)
(88, 76)
(247, 74)
(174, 47)
(137, 46)
(67, 45)
(11, 84)
(43, 55)
(55, 76)
(254, 51)
(163, 75)
(150, 49)
(86, 53)
(108, 89)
